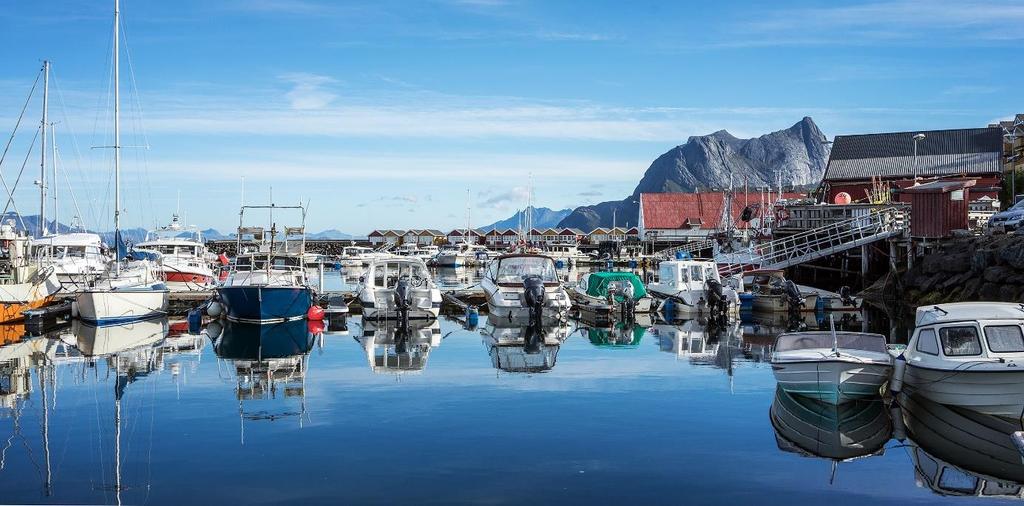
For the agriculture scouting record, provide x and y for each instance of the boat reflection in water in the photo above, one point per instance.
(961, 452)
(840, 433)
(397, 347)
(698, 340)
(267, 359)
(518, 346)
(140, 336)
(614, 333)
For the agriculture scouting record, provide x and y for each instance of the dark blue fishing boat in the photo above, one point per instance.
(268, 281)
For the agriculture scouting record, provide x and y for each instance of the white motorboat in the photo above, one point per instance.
(130, 289)
(23, 284)
(425, 253)
(398, 287)
(76, 257)
(184, 264)
(356, 257)
(692, 287)
(833, 367)
(520, 286)
(566, 252)
(462, 254)
(967, 354)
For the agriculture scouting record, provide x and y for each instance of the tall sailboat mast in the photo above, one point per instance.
(42, 158)
(117, 136)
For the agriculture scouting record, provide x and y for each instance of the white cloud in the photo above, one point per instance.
(308, 91)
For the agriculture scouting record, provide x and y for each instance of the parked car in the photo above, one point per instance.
(1008, 220)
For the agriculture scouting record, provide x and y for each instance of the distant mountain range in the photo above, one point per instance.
(30, 223)
(542, 218)
(797, 153)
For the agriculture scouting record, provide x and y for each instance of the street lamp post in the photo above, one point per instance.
(917, 137)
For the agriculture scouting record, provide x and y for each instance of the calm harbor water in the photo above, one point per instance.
(665, 413)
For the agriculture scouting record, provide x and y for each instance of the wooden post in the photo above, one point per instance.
(864, 264)
(892, 255)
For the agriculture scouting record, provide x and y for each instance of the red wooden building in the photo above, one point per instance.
(973, 154)
(938, 208)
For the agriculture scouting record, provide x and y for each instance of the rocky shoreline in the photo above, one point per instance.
(974, 268)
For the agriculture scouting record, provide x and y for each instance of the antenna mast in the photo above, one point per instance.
(42, 157)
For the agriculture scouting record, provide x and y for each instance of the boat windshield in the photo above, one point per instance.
(387, 275)
(514, 269)
(824, 340)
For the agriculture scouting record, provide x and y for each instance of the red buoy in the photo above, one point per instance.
(315, 327)
(223, 259)
(315, 313)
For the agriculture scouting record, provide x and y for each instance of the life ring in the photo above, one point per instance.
(782, 214)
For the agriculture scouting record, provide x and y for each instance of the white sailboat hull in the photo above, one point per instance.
(112, 307)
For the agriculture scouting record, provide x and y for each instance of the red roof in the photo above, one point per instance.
(674, 210)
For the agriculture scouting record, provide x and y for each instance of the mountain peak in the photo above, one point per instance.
(798, 153)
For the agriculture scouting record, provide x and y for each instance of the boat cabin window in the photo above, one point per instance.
(959, 341)
(513, 270)
(1004, 338)
(387, 275)
(696, 273)
(926, 342)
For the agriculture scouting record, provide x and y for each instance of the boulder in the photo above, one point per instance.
(959, 262)
(990, 291)
(1009, 293)
(998, 274)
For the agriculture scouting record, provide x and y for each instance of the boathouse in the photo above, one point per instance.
(858, 163)
(387, 236)
(430, 236)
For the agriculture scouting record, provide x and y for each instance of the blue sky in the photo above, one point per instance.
(383, 113)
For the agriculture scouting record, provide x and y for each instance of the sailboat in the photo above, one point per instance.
(131, 289)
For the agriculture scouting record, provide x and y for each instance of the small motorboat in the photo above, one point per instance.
(611, 293)
(460, 255)
(398, 288)
(833, 367)
(967, 354)
(692, 287)
(524, 286)
(183, 255)
(772, 292)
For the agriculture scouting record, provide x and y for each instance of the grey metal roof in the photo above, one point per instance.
(969, 151)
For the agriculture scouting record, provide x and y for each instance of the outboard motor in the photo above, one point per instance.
(403, 300)
(846, 297)
(793, 296)
(718, 306)
(534, 296)
(628, 305)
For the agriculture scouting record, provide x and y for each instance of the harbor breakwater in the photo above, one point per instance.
(973, 268)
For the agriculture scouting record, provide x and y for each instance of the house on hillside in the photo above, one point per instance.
(959, 154)
(688, 216)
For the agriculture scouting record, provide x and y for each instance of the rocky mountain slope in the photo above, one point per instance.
(797, 153)
(542, 218)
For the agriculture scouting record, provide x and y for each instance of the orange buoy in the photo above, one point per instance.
(842, 198)
(315, 313)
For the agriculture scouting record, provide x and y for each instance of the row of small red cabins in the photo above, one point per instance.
(948, 175)
(503, 238)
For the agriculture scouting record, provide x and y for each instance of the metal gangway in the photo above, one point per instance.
(874, 225)
(690, 248)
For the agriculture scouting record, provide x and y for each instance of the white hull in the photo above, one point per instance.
(831, 380)
(998, 393)
(120, 306)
